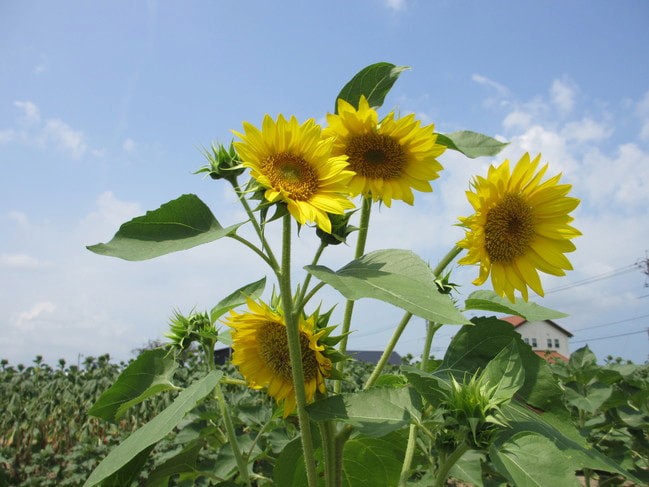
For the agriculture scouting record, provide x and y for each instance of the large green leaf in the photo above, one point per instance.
(238, 298)
(398, 277)
(529, 459)
(490, 301)
(154, 430)
(376, 412)
(505, 372)
(471, 144)
(473, 347)
(372, 462)
(149, 374)
(289, 470)
(374, 82)
(596, 395)
(563, 434)
(469, 468)
(183, 464)
(180, 224)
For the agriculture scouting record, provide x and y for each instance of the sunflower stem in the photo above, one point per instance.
(388, 350)
(363, 227)
(327, 433)
(446, 260)
(242, 465)
(295, 353)
(300, 302)
(269, 257)
(431, 329)
(445, 467)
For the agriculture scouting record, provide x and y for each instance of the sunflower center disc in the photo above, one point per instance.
(376, 156)
(292, 174)
(273, 350)
(509, 228)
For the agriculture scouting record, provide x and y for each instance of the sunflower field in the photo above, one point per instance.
(291, 408)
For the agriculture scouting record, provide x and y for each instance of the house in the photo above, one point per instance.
(547, 339)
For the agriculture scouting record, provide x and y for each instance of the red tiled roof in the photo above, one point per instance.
(517, 321)
(514, 320)
(550, 356)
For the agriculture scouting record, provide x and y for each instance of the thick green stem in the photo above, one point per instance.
(388, 350)
(327, 433)
(242, 465)
(363, 226)
(444, 468)
(232, 436)
(295, 353)
(446, 260)
(431, 328)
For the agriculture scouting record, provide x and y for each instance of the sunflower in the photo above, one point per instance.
(520, 226)
(390, 158)
(294, 163)
(261, 353)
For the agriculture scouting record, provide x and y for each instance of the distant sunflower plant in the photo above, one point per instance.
(480, 409)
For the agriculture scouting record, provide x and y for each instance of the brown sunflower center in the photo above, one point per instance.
(509, 229)
(376, 156)
(273, 350)
(292, 174)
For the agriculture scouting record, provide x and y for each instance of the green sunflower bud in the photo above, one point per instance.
(223, 163)
(340, 229)
(197, 327)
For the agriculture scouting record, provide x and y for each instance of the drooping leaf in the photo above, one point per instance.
(149, 374)
(489, 301)
(398, 277)
(180, 224)
(474, 346)
(238, 298)
(432, 386)
(373, 81)
(471, 144)
(372, 462)
(529, 459)
(154, 430)
(130, 472)
(289, 470)
(375, 412)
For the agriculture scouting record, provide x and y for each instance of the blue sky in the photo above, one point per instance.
(104, 107)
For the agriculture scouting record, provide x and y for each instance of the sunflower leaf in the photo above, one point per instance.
(373, 81)
(398, 277)
(179, 224)
(489, 301)
(471, 144)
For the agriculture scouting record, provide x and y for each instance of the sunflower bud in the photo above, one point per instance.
(197, 327)
(340, 229)
(223, 163)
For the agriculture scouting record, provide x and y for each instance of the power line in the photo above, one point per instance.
(610, 336)
(611, 323)
(599, 277)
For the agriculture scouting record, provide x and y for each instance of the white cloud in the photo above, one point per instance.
(396, 5)
(65, 137)
(19, 217)
(562, 94)
(25, 319)
(19, 261)
(31, 113)
(518, 119)
(33, 130)
(483, 80)
(586, 130)
(128, 145)
(642, 108)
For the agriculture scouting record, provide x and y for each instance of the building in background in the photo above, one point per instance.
(547, 339)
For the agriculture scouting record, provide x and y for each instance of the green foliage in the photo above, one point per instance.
(374, 82)
(471, 144)
(397, 277)
(180, 224)
(485, 300)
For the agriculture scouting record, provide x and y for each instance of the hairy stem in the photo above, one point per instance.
(295, 353)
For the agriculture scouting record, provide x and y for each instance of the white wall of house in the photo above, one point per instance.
(541, 335)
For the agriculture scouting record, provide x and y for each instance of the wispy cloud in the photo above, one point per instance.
(396, 5)
(19, 261)
(32, 129)
(501, 89)
(562, 94)
(25, 318)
